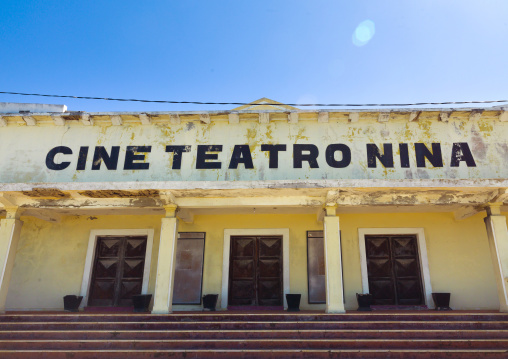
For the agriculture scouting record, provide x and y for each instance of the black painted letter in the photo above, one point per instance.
(177, 155)
(273, 154)
(100, 155)
(131, 156)
(50, 158)
(241, 154)
(434, 157)
(83, 154)
(386, 158)
(330, 155)
(461, 152)
(299, 156)
(203, 156)
(404, 155)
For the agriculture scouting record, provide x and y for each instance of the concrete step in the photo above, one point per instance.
(263, 317)
(259, 344)
(255, 334)
(244, 325)
(256, 354)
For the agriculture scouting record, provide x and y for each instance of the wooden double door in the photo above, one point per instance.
(394, 269)
(118, 270)
(255, 271)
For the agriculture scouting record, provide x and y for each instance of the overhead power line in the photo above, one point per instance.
(256, 104)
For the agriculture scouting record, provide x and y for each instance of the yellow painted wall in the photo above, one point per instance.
(458, 254)
(51, 257)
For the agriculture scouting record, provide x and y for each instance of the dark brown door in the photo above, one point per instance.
(118, 270)
(394, 270)
(255, 271)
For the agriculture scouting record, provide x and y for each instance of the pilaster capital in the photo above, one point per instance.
(170, 210)
(12, 212)
(330, 210)
(494, 209)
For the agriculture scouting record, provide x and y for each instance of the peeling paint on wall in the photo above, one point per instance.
(142, 154)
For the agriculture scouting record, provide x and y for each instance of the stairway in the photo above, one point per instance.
(426, 334)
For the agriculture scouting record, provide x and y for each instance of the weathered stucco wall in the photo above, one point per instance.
(458, 254)
(51, 257)
(25, 150)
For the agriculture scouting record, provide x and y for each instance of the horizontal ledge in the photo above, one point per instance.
(268, 184)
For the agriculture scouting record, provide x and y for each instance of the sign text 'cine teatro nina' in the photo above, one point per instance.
(192, 150)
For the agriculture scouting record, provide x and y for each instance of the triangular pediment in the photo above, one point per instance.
(265, 104)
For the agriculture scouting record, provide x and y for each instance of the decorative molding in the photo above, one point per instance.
(174, 119)
(59, 121)
(116, 120)
(145, 119)
(264, 117)
(503, 116)
(234, 118)
(475, 115)
(205, 118)
(354, 117)
(414, 115)
(30, 121)
(87, 120)
(293, 117)
(444, 116)
(323, 117)
(384, 116)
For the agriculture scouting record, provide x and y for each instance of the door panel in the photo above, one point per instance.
(118, 270)
(316, 267)
(255, 274)
(394, 270)
(190, 249)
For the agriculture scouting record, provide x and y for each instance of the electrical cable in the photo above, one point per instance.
(256, 104)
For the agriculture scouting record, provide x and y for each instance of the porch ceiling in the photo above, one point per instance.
(51, 204)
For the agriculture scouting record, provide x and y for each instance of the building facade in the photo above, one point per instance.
(252, 204)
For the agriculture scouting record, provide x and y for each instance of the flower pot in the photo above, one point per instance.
(72, 302)
(141, 302)
(441, 301)
(210, 301)
(364, 302)
(293, 301)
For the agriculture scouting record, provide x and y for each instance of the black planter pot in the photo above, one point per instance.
(141, 302)
(210, 301)
(72, 302)
(293, 301)
(441, 301)
(364, 302)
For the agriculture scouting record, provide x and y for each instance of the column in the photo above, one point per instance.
(10, 229)
(333, 262)
(163, 297)
(497, 233)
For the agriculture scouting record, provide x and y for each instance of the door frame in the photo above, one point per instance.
(90, 257)
(228, 233)
(422, 252)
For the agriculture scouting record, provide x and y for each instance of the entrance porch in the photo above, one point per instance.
(50, 238)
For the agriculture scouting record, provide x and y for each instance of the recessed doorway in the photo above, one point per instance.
(118, 270)
(122, 270)
(394, 270)
(394, 266)
(255, 272)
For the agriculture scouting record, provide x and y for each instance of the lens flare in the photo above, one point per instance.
(364, 33)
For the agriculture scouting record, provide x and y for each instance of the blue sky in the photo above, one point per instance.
(239, 51)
